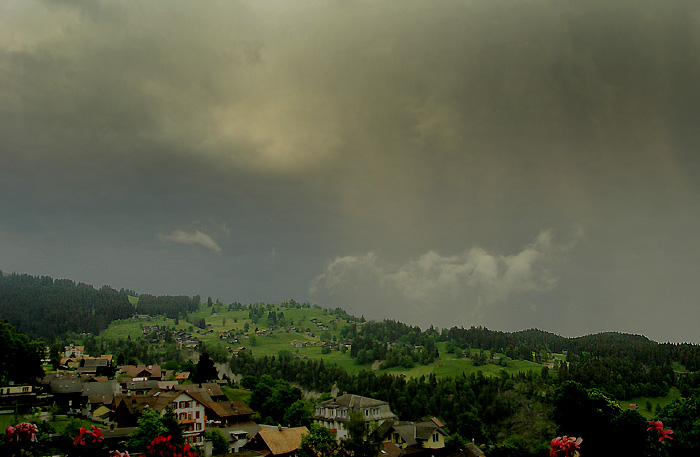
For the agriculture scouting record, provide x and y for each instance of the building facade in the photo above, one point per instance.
(334, 414)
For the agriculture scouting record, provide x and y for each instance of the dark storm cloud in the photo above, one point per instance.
(408, 140)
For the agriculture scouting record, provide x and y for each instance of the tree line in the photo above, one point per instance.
(49, 309)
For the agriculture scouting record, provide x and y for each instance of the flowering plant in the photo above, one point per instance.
(89, 436)
(20, 439)
(163, 447)
(116, 453)
(565, 446)
(659, 427)
(23, 432)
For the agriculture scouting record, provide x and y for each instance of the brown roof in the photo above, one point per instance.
(204, 393)
(390, 450)
(230, 408)
(101, 399)
(283, 441)
(155, 399)
(151, 371)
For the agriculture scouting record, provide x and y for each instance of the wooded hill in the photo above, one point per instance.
(46, 308)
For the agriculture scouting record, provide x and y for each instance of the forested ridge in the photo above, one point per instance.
(47, 309)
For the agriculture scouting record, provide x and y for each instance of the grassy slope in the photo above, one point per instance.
(59, 422)
(673, 394)
(446, 365)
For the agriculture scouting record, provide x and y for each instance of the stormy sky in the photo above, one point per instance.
(505, 163)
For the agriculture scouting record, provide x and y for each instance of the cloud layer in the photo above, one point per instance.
(467, 284)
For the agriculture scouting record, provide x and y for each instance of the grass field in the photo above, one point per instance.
(59, 423)
(8, 420)
(673, 394)
(222, 320)
(236, 394)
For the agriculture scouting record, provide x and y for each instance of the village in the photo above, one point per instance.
(115, 397)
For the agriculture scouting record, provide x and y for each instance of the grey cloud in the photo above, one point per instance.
(460, 285)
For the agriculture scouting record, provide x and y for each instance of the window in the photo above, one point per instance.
(436, 438)
(196, 415)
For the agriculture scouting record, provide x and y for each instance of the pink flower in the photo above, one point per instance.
(565, 446)
(659, 427)
(119, 454)
(21, 432)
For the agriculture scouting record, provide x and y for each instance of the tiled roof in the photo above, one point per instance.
(151, 371)
(66, 386)
(283, 441)
(100, 388)
(230, 408)
(353, 401)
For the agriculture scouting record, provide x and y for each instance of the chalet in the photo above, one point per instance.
(333, 414)
(73, 352)
(229, 412)
(422, 435)
(209, 391)
(95, 366)
(69, 363)
(153, 372)
(277, 441)
(141, 386)
(189, 411)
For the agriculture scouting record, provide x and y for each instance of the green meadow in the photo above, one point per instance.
(673, 394)
(274, 341)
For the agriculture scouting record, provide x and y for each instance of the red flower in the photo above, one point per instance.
(659, 427)
(88, 436)
(162, 447)
(80, 439)
(97, 435)
(565, 446)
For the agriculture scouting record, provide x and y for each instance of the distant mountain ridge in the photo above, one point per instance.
(47, 308)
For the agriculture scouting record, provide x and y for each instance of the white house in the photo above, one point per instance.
(333, 414)
(190, 413)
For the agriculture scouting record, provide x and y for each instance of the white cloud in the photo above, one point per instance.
(182, 237)
(464, 283)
